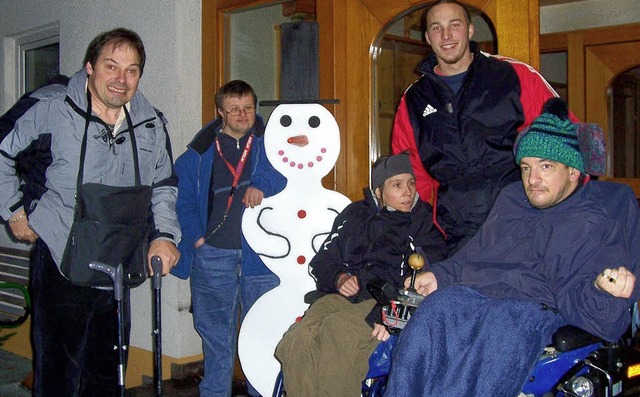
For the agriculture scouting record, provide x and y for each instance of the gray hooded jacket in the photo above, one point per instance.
(109, 161)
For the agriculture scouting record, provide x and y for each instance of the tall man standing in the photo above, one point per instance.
(460, 119)
(218, 178)
(73, 326)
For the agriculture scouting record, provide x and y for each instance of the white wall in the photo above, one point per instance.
(587, 14)
(171, 33)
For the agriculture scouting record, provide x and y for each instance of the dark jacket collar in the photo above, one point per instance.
(205, 137)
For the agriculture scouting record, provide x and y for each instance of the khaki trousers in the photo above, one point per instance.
(327, 352)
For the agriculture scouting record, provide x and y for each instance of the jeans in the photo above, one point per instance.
(218, 290)
(74, 331)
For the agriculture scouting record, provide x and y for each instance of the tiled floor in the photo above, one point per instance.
(180, 388)
(13, 369)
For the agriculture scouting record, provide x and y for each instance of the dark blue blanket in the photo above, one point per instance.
(462, 343)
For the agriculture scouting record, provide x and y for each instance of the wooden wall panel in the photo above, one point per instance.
(358, 98)
(347, 30)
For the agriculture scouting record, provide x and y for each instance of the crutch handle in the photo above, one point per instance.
(156, 266)
(114, 273)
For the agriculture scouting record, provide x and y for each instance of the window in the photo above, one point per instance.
(34, 55)
(39, 62)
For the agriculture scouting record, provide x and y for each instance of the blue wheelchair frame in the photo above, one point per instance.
(552, 367)
(548, 372)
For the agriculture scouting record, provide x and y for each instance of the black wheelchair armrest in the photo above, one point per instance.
(569, 337)
(382, 291)
(313, 296)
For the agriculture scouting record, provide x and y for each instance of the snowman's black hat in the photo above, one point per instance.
(277, 102)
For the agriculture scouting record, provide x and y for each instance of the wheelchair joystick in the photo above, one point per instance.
(399, 304)
(409, 297)
(416, 263)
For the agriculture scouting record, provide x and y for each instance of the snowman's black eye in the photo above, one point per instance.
(314, 121)
(285, 121)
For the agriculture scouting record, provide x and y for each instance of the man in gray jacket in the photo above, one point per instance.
(73, 326)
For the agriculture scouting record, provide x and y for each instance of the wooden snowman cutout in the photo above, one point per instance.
(302, 141)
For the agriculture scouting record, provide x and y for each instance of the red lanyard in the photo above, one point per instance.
(237, 172)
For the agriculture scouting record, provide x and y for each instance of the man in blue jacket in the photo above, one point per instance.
(493, 306)
(218, 177)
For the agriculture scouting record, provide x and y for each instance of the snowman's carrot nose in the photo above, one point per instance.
(299, 140)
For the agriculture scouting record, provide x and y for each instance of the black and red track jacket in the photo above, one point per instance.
(461, 143)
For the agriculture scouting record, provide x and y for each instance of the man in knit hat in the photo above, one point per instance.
(556, 249)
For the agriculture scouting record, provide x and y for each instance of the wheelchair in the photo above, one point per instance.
(376, 379)
(576, 364)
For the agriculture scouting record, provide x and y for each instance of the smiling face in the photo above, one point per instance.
(114, 77)
(239, 124)
(448, 32)
(547, 182)
(398, 192)
(302, 141)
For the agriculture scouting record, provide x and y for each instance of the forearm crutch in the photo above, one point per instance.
(115, 273)
(156, 266)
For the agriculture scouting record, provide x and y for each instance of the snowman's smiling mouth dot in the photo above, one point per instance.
(300, 165)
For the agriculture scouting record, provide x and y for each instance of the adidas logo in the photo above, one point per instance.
(428, 110)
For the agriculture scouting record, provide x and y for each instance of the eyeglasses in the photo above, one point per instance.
(235, 111)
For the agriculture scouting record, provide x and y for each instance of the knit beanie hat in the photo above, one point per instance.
(389, 166)
(553, 136)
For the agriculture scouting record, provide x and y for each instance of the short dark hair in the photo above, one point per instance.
(117, 37)
(237, 88)
(438, 2)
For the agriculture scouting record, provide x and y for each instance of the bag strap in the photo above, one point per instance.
(134, 146)
(83, 147)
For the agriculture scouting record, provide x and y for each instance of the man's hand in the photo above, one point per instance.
(617, 282)
(20, 227)
(252, 197)
(380, 332)
(347, 285)
(167, 251)
(425, 284)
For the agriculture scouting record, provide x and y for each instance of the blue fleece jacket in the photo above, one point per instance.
(194, 168)
(552, 256)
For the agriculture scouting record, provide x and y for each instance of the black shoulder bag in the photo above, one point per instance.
(110, 225)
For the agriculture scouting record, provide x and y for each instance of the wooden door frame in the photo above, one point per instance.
(574, 43)
(589, 47)
(348, 29)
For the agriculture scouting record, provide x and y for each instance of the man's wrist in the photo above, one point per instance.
(16, 218)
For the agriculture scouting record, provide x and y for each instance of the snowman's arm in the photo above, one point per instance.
(260, 237)
(329, 262)
(338, 203)
(319, 238)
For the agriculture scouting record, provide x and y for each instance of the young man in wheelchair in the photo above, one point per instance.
(556, 249)
(326, 353)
